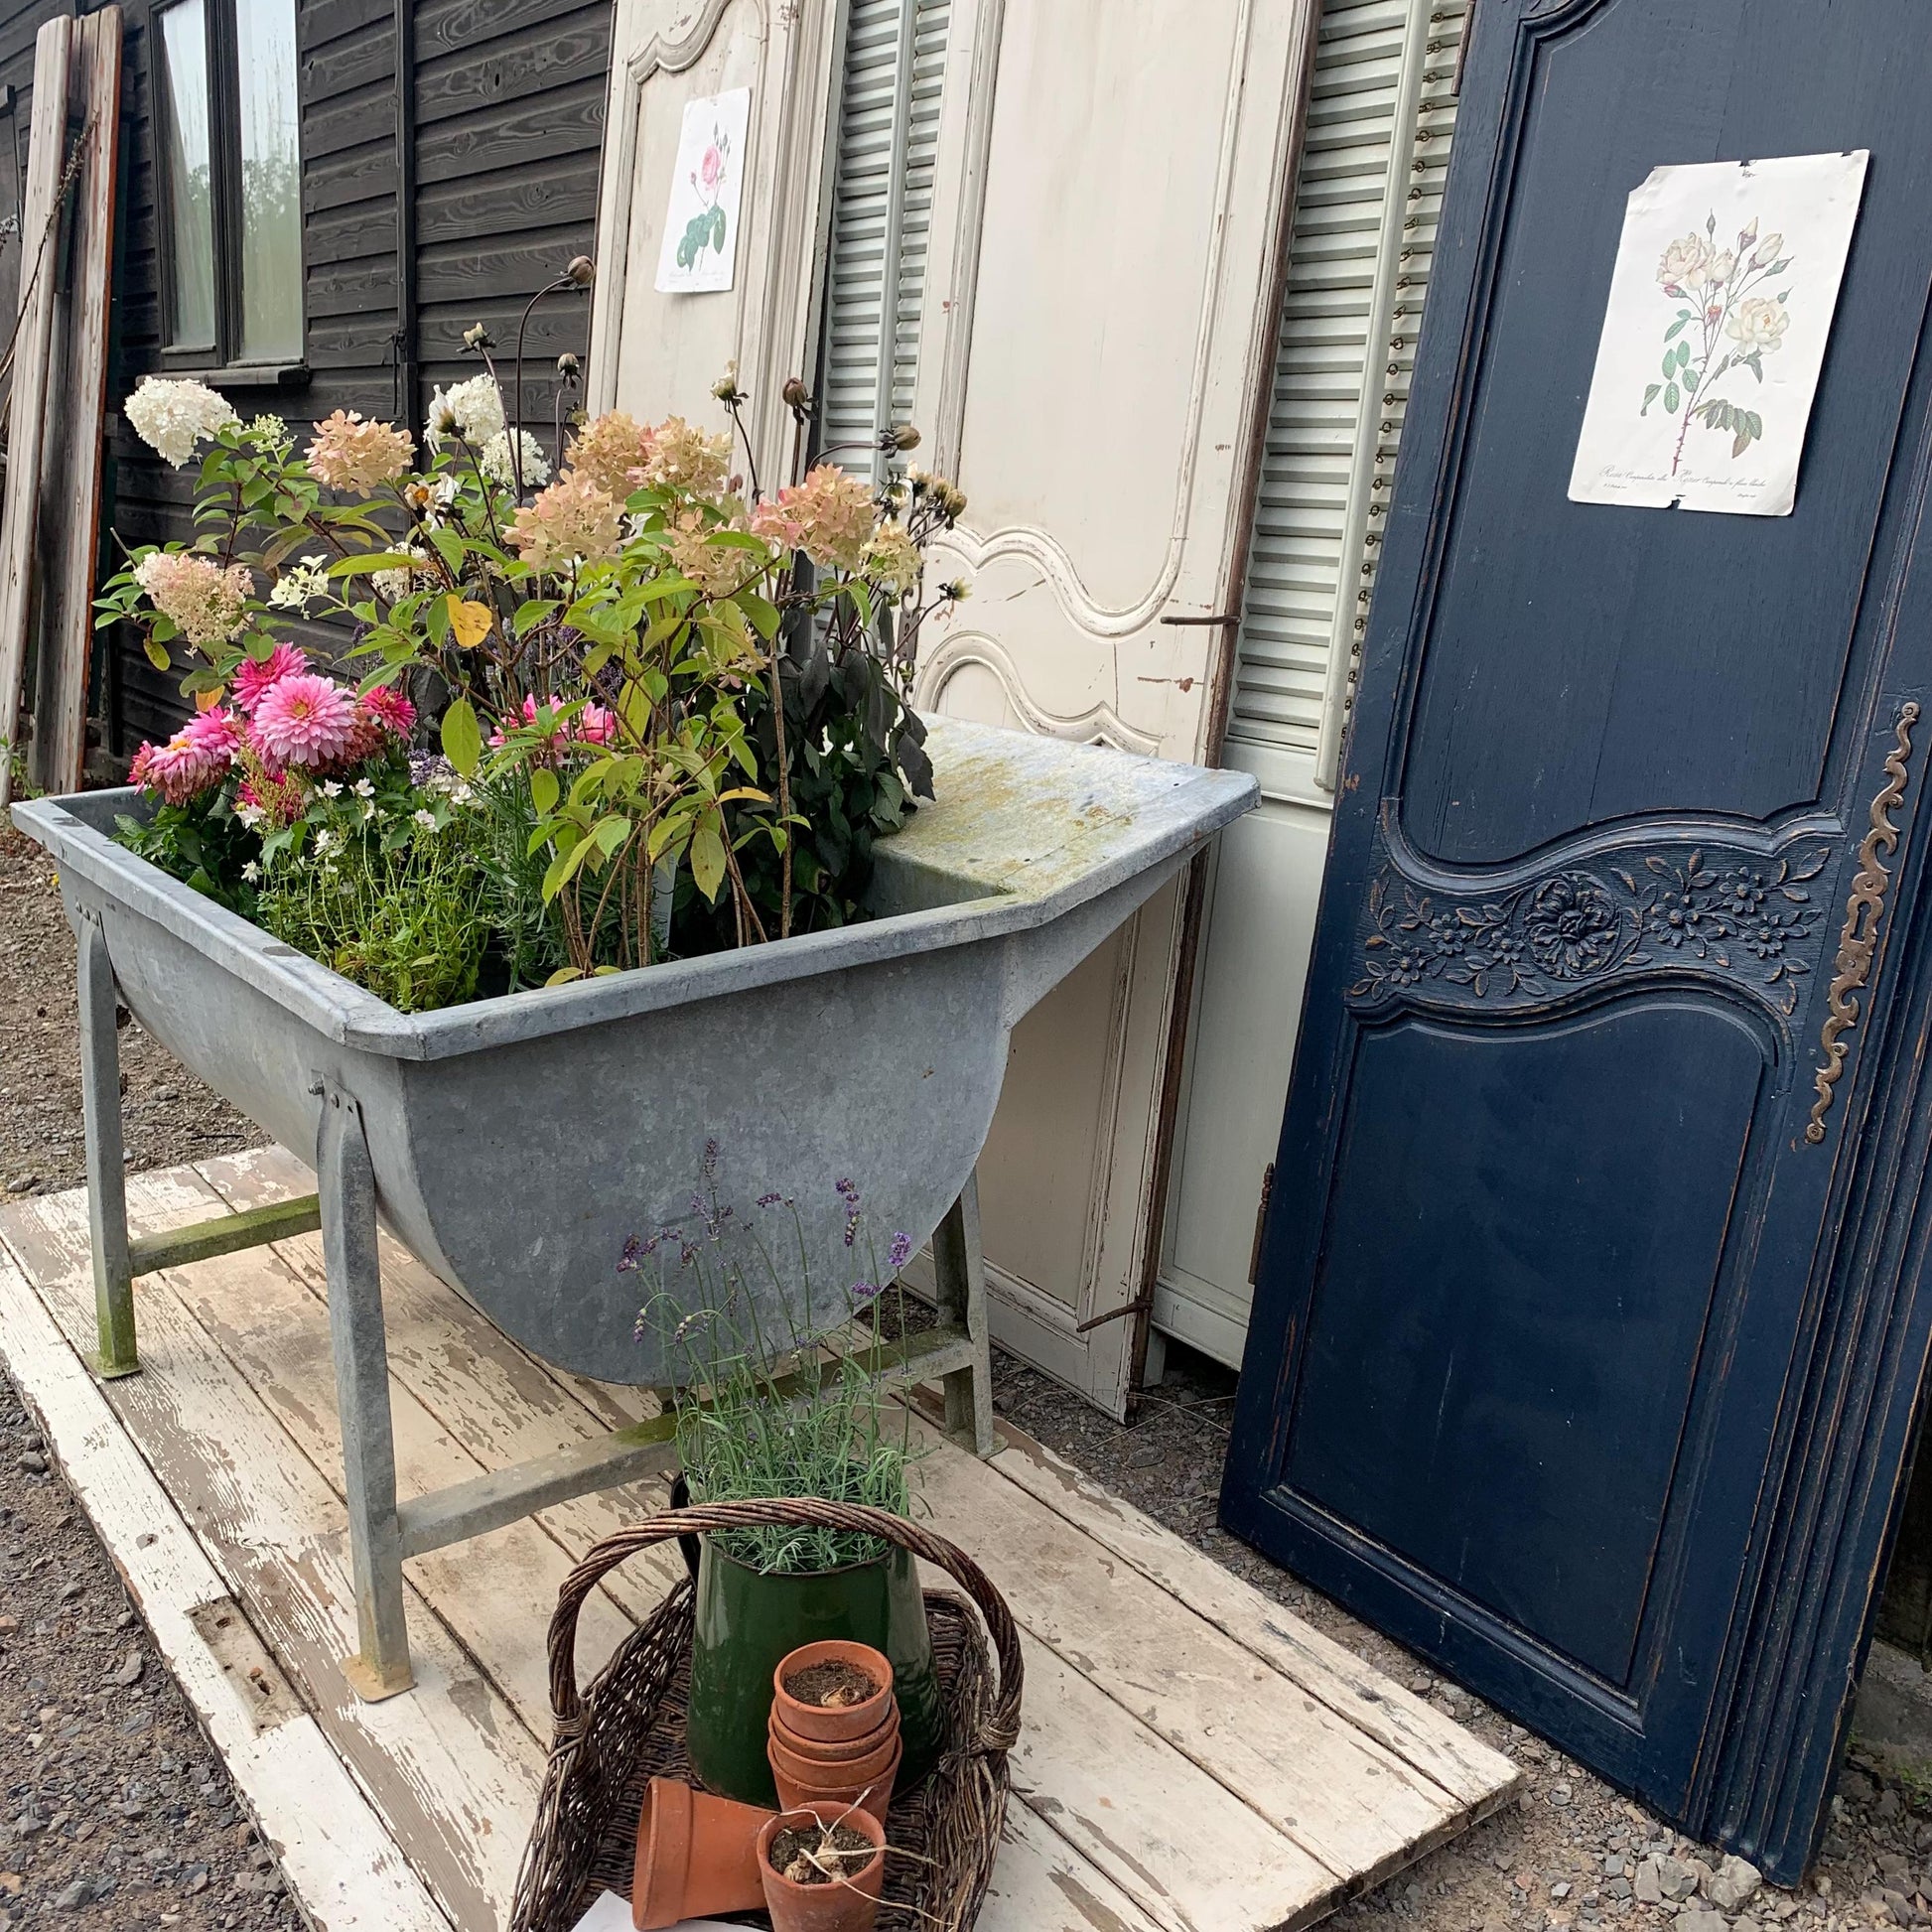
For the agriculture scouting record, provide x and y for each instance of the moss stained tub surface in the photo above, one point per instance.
(516, 1142)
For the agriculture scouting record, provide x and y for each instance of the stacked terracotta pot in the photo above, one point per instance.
(844, 1750)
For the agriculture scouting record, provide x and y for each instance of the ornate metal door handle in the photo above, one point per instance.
(1864, 909)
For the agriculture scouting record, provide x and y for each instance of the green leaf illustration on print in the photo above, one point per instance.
(1724, 321)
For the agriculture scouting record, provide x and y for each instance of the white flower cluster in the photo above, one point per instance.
(300, 584)
(473, 410)
(494, 461)
(389, 585)
(172, 415)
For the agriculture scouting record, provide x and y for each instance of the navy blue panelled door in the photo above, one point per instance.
(1589, 1323)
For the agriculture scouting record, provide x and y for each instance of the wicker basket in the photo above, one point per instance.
(629, 1727)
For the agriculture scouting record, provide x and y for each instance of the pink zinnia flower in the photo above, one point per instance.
(253, 680)
(592, 726)
(304, 720)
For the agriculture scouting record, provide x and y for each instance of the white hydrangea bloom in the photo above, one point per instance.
(473, 410)
(170, 415)
(300, 584)
(494, 461)
(270, 428)
(390, 585)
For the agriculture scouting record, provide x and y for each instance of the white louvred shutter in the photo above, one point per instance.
(1358, 267)
(881, 207)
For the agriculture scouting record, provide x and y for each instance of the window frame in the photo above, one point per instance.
(220, 51)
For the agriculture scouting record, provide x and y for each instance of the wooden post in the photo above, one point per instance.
(100, 1106)
(959, 1276)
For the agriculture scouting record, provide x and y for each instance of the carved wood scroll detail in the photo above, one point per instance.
(1864, 909)
(1751, 920)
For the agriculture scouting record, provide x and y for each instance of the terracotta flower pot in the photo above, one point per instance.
(833, 1724)
(827, 1786)
(814, 1753)
(849, 1907)
(697, 1856)
(856, 1768)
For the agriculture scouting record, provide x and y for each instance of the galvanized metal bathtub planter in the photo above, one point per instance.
(513, 1144)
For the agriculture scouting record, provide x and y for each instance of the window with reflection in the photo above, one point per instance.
(231, 149)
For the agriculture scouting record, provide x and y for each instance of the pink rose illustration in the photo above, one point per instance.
(711, 166)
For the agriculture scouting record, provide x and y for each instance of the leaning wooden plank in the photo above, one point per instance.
(450, 1769)
(345, 1873)
(1434, 1744)
(70, 512)
(1345, 1798)
(39, 222)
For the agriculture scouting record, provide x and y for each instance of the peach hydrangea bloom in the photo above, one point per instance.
(718, 569)
(612, 451)
(573, 518)
(892, 558)
(351, 454)
(829, 516)
(207, 604)
(684, 456)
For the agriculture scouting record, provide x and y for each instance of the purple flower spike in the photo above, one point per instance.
(769, 1200)
(900, 1251)
(633, 1252)
(864, 1290)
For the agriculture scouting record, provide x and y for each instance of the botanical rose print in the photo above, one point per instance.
(571, 520)
(1723, 302)
(1684, 265)
(207, 604)
(357, 456)
(306, 720)
(1757, 324)
(711, 170)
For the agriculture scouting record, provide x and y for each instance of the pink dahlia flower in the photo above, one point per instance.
(383, 716)
(304, 720)
(196, 757)
(253, 680)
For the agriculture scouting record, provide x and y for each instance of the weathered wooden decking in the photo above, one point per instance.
(1194, 1758)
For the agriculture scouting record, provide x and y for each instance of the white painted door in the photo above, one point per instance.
(1381, 108)
(657, 355)
(1068, 270)
(1096, 337)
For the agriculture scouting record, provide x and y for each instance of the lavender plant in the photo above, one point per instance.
(769, 1403)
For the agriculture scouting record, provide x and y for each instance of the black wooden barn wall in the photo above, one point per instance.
(493, 155)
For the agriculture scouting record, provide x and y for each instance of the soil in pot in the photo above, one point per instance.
(746, 1625)
(833, 1684)
(845, 1694)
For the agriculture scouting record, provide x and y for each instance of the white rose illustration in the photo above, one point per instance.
(1758, 323)
(1686, 262)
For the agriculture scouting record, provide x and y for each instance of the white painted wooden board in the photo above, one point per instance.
(1190, 1766)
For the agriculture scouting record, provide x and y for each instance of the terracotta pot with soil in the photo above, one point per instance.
(833, 1692)
(697, 1856)
(822, 1869)
(834, 1737)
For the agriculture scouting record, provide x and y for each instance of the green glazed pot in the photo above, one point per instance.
(747, 1624)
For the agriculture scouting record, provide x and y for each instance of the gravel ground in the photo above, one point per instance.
(114, 1813)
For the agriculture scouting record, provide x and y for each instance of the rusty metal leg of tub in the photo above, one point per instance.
(348, 1187)
(959, 1276)
(100, 1101)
